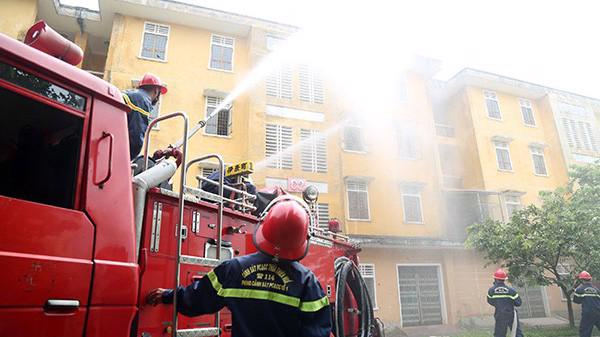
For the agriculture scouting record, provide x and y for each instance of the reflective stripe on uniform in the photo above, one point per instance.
(311, 306)
(314, 306)
(587, 295)
(504, 296)
(134, 107)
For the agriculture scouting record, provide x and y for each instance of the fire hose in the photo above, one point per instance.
(348, 278)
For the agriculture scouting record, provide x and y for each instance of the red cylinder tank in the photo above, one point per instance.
(42, 37)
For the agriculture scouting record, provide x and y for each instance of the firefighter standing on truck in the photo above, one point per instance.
(141, 101)
(269, 293)
(504, 299)
(589, 297)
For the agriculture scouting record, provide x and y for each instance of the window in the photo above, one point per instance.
(539, 164)
(206, 171)
(273, 42)
(314, 151)
(491, 103)
(42, 87)
(353, 139)
(503, 156)
(527, 112)
(40, 147)
(220, 123)
(358, 200)
(154, 41)
(408, 141)
(311, 85)
(221, 53)
(580, 134)
(367, 271)
(450, 165)
(279, 83)
(323, 214)
(513, 203)
(564, 271)
(411, 203)
(402, 88)
(278, 139)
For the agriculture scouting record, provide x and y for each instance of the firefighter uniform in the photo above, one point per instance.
(140, 104)
(589, 297)
(504, 299)
(266, 298)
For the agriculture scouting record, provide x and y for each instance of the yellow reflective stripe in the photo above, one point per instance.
(260, 295)
(256, 294)
(134, 107)
(586, 295)
(504, 296)
(214, 280)
(313, 306)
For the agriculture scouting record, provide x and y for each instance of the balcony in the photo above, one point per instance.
(464, 208)
(444, 130)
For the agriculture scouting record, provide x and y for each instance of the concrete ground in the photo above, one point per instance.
(484, 322)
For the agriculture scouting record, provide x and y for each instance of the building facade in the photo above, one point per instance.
(405, 182)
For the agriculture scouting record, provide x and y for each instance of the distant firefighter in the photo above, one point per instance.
(504, 299)
(589, 297)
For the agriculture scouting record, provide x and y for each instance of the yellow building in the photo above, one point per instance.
(405, 183)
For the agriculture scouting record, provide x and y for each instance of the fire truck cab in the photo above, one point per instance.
(80, 247)
(66, 235)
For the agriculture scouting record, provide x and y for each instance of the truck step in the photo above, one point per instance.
(200, 332)
(199, 261)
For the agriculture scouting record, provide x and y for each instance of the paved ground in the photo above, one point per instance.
(545, 322)
(450, 330)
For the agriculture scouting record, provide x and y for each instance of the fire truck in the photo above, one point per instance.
(83, 240)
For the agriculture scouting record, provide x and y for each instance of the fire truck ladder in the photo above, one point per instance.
(203, 261)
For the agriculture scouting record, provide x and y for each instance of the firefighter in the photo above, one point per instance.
(141, 101)
(269, 293)
(589, 297)
(504, 299)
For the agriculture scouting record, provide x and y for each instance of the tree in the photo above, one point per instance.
(550, 243)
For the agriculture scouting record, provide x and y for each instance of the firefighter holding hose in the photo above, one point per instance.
(504, 299)
(141, 101)
(269, 293)
(589, 297)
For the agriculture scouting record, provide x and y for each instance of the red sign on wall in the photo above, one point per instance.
(296, 184)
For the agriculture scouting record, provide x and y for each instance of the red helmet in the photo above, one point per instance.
(152, 80)
(500, 275)
(584, 275)
(283, 229)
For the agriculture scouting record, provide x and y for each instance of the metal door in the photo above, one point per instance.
(420, 295)
(533, 302)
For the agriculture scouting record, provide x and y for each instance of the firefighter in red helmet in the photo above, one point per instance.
(269, 293)
(141, 102)
(504, 299)
(589, 297)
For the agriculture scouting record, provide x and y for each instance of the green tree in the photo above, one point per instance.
(540, 241)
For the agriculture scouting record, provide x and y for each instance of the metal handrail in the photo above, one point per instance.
(181, 195)
(229, 188)
(213, 197)
(328, 232)
(220, 205)
(151, 125)
(247, 199)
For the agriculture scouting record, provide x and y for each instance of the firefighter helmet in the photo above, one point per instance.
(152, 80)
(500, 275)
(282, 231)
(584, 275)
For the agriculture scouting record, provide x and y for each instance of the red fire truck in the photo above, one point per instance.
(82, 240)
